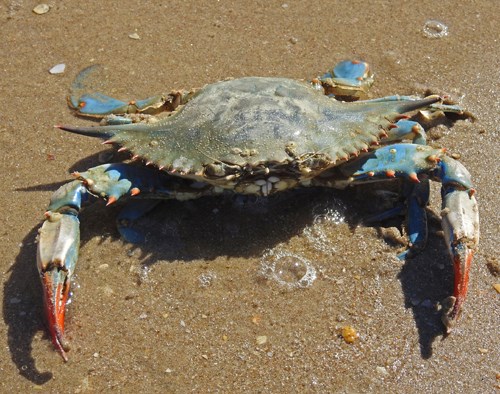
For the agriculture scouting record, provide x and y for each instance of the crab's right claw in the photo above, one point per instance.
(57, 254)
(460, 222)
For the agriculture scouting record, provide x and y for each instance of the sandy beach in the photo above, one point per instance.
(194, 308)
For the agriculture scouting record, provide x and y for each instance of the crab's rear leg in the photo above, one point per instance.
(349, 80)
(113, 111)
(460, 220)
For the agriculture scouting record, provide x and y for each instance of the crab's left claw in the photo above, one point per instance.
(460, 223)
(57, 254)
(56, 258)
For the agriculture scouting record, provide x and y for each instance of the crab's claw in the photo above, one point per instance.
(56, 258)
(460, 223)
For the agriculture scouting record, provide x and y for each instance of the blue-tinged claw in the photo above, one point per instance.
(58, 245)
(349, 78)
(460, 217)
(57, 254)
(460, 222)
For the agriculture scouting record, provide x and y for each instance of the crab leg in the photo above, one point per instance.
(59, 237)
(117, 112)
(460, 219)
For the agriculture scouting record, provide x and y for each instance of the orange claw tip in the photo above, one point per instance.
(55, 283)
(135, 191)
(390, 173)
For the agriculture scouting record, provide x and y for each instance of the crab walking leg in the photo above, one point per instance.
(58, 244)
(460, 219)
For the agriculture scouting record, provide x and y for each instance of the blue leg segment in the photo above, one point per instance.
(129, 214)
(407, 129)
(416, 226)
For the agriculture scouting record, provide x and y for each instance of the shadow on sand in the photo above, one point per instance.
(211, 227)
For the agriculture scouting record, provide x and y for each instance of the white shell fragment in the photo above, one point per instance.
(58, 69)
(134, 36)
(41, 9)
(435, 29)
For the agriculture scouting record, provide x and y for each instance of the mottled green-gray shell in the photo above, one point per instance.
(244, 127)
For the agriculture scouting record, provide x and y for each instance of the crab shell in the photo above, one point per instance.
(233, 133)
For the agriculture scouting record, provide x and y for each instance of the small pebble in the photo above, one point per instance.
(496, 286)
(293, 40)
(143, 315)
(134, 36)
(41, 9)
(349, 334)
(58, 69)
(493, 266)
(456, 156)
(382, 371)
(261, 340)
(168, 370)
(204, 356)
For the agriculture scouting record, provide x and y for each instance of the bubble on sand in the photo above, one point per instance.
(288, 269)
(435, 29)
(317, 232)
(207, 278)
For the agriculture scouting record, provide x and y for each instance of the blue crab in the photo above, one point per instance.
(258, 136)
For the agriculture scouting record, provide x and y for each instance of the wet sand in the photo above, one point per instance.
(190, 310)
